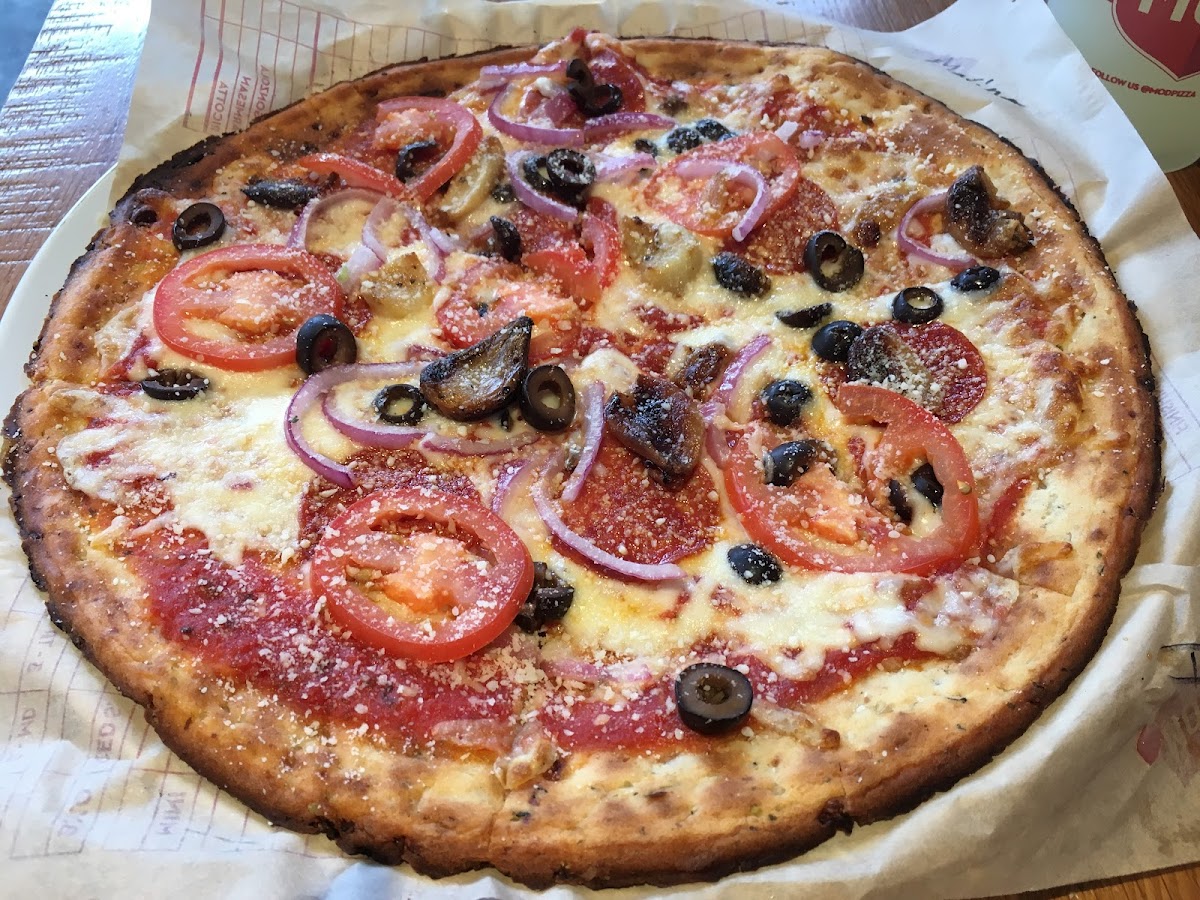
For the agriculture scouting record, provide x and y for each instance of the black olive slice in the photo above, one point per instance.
(659, 423)
(504, 241)
(788, 461)
(570, 172)
(548, 600)
(287, 193)
(481, 379)
(784, 399)
(644, 146)
(834, 264)
(712, 130)
(739, 275)
(832, 342)
(198, 226)
(503, 192)
(533, 171)
(976, 278)
(399, 404)
(324, 341)
(805, 317)
(899, 501)
(926, 482)
(548, 398)
(683, 139)
(713, 698)
(174, 384)
(753, 564)
(578, 71)
(411, 155)
(917, 305)
(596, 99)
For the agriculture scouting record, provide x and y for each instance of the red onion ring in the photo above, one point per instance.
(361, 262)
(320, 205)
(491, 77)
(507, 483)
(535, 200)
(591, 412)
(530, 134)
(913, 248)
(440, 443)
(623, 123)
(714, 435)
(588, 550)
(384, 210)
(374, 434)
(620, 169)
(438, 271)
(737, 172)
(313, 389)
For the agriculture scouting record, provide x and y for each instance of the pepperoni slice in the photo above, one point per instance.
(624, 511)
(608, 67)
(777, 245)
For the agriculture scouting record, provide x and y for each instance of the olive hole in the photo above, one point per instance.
(143, 216)
(713, 690)
(197, 225)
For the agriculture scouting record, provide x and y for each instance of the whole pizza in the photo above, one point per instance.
(621, 461)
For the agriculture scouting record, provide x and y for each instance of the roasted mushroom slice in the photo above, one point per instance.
(667, 256)
(474, 183)
(982, 222)
(481, 379)
(880, 356)
(659, 423)
(701, 368)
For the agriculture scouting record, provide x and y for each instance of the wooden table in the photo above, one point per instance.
(63, 125)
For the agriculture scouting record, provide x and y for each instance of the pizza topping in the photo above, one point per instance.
(547, 398)
(726, 189)
(832, 342)
(925, 480)
(834, 264)
(753, 564)
(778, 243)
(174, 384)
(254, 295)
(504, 241)
(981, 221)
(701, 368)
(591, 97)
(880, 356)
(931, 205)
(198, 226)
(592, 414)
(520, 166)
(570, 174)
(324, 341)
(287, 193)
(714, 131)
(683, 139)
(784, 399)
(436, 595)
(736, 274)
(788, 461)
(898, 500)
(399, 404)
(805, 317)
(417, 126)
(548, 601)
(917, 305)
(667, 256)
(712, 698)
(479, 380)
(659, 423)
(976, 278)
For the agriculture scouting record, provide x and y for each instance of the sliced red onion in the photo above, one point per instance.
(437, 271)
(370, 434)
(588, 550)
(313, 389)
(320, 206)
(934, 202)
(530, 134)
(447, 243)
(714, 435)
(733, 171)
(491, 77)
(361, 262)
(441, 443)
(625, 122)
(620, 168)
(384, 210)
(591, 412)
(507, 483)
(535, 200)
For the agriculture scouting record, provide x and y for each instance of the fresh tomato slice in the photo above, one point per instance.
(456, 130)
(557, 254)
(783, 519)
(259, 294)
(714, 206)
(494, 293)
(356, 173)
(434, 595)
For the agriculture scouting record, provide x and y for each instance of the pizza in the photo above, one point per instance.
(621, 461)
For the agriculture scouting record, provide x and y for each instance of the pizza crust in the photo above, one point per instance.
(615, 817)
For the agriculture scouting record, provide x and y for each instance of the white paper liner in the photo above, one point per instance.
(83, 777)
